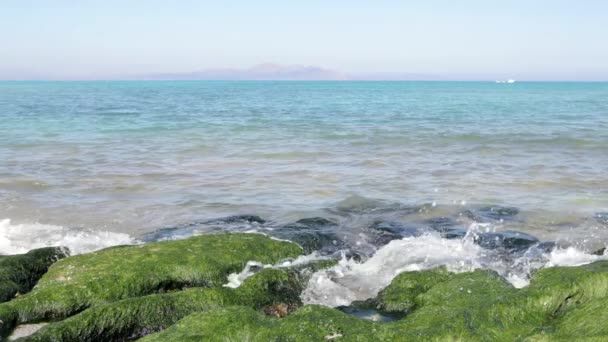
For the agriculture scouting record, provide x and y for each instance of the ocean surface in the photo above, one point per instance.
(95, 164)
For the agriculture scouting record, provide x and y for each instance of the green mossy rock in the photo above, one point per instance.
(19, 273)
(310, 323)
(134, 317)
(79, 282)
(400, 296)
(562, 303)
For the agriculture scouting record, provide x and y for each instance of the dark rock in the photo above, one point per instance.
(387, 231)
(491, 213)
(441, 223)
(602, 218)
(238, 219)
(507, 239)
(545, 247)
(186, 230)
(19, 273)
(315, 222)
(600, 252)
(448, 227)
(166, 234)
(313, 234)
(403, 230)
(454, 233)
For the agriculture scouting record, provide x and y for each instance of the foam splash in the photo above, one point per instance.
(252, 267)
(349, 281)
(21, 238)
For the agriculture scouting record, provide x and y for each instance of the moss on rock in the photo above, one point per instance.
(562, 303)
(19, 273)
(400, 296)
(134, 317)
(79, 282)
(311, 323)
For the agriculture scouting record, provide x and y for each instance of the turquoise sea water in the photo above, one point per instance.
(132, 157)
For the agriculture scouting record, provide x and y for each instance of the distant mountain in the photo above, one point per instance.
(266, 71)
(270, 71)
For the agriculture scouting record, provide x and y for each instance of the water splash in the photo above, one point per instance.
(21, 238)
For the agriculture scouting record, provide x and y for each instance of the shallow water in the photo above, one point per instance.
(93, 164)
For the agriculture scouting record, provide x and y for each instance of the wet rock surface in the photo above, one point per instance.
(602, 218)
(86, 281)
(491, 213)
(313, 234)
(508, 239)
(19, 273)
(562, 303)
(178, 290)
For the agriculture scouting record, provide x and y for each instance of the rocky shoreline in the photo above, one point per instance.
(177, 291)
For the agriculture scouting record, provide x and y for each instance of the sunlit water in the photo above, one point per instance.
(95, 164)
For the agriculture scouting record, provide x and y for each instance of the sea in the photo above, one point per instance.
(407, 175)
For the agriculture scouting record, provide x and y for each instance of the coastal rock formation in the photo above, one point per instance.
(75, 284)
(175, 291)
(562, 303)
(134, 317)
(19, 273)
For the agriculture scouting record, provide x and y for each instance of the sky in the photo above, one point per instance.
(445, 39)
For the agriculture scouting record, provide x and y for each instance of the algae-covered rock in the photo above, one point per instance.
(19, 273)
(311, 323)
(134, 317)
(79, 282)
(400, 296)
(562, 303)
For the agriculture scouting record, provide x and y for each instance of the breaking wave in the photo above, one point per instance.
(21, 238)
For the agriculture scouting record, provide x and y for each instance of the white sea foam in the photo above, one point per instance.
(236, 279)
(571, 257)
(20, 238)
(350, 281)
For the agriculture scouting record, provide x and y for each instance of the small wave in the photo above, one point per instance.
(21, 238)
(350, 281)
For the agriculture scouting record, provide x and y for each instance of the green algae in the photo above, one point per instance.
(19, 273)
(172, 291)
(311, 323)
(562, 303)
(76, 283)
(134, 317)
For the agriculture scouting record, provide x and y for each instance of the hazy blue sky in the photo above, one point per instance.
(468, 39)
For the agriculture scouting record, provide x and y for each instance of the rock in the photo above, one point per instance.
(310, 323)
(313, 234)
(237, 219)
(168, 233)
(386, 231)
(79, 282)
(599, 252)
(135, 317)
(602, 218)
(508, 239)
(19, 273)
(561, 303)
(447, 227)
(315, 222)
(400, 296)
(491, 213)
(187, 230)
(441, 223)
(544, 247)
